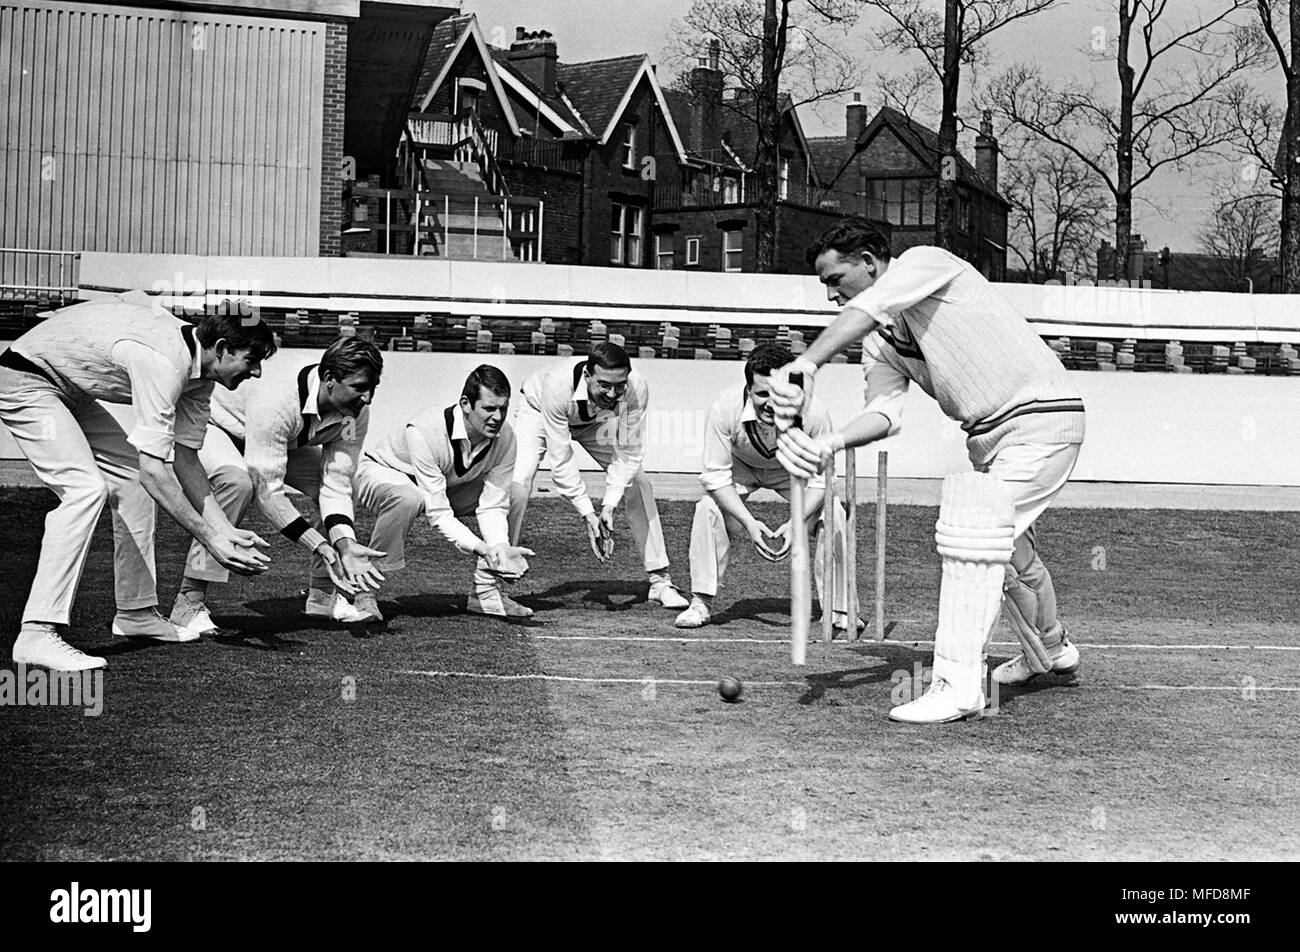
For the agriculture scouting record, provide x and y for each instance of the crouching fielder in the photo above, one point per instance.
(931, 318)
(740, 457)
(450, 463)
(300, 427)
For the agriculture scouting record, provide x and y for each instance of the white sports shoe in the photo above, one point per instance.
(147, 623)
(40, 644)
(493, 601)
(189, 615)
(333, 606)
(666, 595)
(1065, 660)
(936, 706)
(695, 616)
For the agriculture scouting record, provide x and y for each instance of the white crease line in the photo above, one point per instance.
(488, 676)
(559, 677)
(868, 640)
(1198, 687)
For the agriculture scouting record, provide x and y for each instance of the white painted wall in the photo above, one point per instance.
(1141, 427)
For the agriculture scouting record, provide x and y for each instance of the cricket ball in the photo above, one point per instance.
(730, 688)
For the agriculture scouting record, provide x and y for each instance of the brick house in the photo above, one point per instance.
(707, 220)
(891, 162)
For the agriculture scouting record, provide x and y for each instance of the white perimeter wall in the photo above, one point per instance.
(1141, 427)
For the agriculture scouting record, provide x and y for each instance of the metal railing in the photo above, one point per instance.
(540, 152)
(31, 274)
(432, 224)
(721, 191)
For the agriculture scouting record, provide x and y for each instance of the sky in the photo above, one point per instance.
(1057, 40)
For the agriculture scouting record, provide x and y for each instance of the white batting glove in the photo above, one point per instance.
(788, 400)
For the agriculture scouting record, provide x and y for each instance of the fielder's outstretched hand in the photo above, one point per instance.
(357, 562)
(239, 550)
(803, 456)
(508, 562)
(760, 534)
(788, 400)
(596, 538)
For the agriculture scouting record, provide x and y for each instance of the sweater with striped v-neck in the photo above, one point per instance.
(944, 326)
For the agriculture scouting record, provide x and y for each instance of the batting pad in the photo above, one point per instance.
(975, 536)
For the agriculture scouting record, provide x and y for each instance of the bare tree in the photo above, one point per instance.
(1057, 212)
(1177, 80)
(1268, 137)
(1241, 235)
(767, 48)
(945, 43)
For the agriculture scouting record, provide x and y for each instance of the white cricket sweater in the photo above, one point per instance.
(943, 325)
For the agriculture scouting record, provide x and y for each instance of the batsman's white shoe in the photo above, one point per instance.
(190, 615)
(493, 601)
(1065, 661)
(147, 623)
(695, 616)
(368, 605)
(936, 706)
(41, 644)
(666, 595)
(335, 607)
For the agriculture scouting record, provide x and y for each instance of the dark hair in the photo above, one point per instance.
(765, 359)
(485, 377)
(239, 333)
(850, 236)
(352, 355)
(609, 357)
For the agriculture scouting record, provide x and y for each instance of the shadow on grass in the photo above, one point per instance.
(613, 596)
(754, 609)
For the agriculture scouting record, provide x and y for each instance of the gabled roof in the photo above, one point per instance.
(449, 38)
(600, 91)
(556, 110)
(920, 140)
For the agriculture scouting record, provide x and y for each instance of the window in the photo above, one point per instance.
(664, 252)
(625, 234)
(731, 193)
(906, 202)
(731, 250)
(629, 146)
(964, 214)
(783, 178)
(693, 250)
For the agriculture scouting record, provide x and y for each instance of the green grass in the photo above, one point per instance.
(252, 731)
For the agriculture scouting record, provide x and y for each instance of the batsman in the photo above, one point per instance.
(929, 317)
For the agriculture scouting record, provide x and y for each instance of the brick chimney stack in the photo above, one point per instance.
(706, 97)
(855, 118)
(535, 55)
(986, 151)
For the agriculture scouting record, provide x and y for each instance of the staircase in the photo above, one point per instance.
(463, 220)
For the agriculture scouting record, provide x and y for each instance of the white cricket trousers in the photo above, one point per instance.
(642, 513)
(80, 452)
(1036, 473)
(712, 533)
(395, 502)
(232, 487)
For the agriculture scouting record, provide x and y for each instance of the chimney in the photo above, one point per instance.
(706, 98)
(535, 55)
(855, 118)
(986, 151)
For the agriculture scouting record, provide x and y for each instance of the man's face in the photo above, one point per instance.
(351, 394)
(232, 367)
(606, 387)
(846, 276)
(485, 417)
(760, 395)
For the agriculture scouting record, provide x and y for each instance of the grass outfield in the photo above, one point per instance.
(597, 732)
